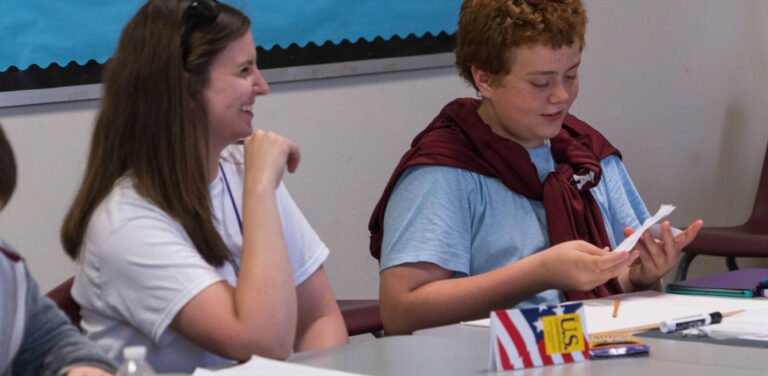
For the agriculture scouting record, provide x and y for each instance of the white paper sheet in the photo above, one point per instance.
(629, 242)
(748, 325)
(649, 308)
(486, 323)
(258, 366)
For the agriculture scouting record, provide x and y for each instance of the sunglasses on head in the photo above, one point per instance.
(199, 13)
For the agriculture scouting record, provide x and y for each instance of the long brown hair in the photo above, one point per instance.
(7, 170)
(152, 124)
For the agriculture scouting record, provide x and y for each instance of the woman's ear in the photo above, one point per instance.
(482, 81)
(192, 92)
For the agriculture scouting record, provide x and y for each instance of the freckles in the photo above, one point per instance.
(572, 96)
(533, 99)
(574, 89)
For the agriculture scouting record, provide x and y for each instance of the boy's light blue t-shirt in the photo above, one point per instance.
(471, 224)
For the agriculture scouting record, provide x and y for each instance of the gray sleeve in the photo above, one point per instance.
(51, 343)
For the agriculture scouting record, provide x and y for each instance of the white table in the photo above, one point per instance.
(464, 350)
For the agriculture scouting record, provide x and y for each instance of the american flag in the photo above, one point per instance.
(538, 336)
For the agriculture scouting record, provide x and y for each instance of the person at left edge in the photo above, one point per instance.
(36, 338)
(187, 243)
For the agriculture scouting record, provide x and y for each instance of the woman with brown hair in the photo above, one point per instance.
(186, 242)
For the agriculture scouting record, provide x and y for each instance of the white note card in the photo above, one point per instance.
(269, 367)
(629, 242)
(751, 325)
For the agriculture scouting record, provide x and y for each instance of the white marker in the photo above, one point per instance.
(692, 321)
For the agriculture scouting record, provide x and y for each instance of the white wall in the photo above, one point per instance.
(680, 86)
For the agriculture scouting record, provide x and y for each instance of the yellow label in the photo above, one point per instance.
(563, 334)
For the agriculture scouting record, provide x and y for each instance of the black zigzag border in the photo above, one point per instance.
(74, 74)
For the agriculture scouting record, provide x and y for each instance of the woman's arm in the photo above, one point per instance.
(320, 324)
(259, 316)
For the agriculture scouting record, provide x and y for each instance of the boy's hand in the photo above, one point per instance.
(658, 257)
(579, 266)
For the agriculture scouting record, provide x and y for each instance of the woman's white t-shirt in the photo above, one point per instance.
(138, 267)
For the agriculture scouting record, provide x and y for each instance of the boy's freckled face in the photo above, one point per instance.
(528, 105)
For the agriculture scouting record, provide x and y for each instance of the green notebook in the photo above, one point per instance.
(740, 283)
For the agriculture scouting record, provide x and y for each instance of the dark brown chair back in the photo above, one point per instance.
(759, 217)
(749, 239)
(62, 296)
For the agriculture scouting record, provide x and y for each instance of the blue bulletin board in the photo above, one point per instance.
(48, 45)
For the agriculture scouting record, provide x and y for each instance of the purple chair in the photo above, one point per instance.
(747, 240)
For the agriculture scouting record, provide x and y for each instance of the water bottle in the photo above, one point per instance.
(134, 363)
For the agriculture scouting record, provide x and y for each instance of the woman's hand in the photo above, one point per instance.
(267, 155)
(659, 256)
(579, 266)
